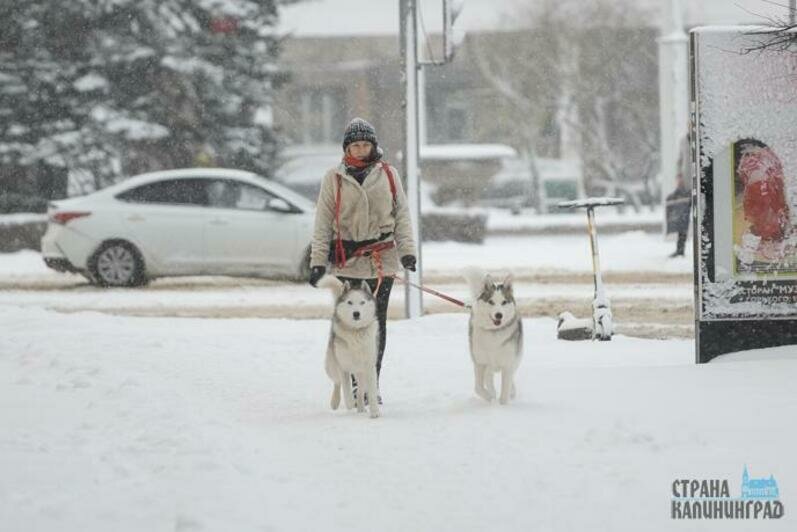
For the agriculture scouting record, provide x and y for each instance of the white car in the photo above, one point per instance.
(198, 221)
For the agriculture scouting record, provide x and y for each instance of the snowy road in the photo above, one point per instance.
(651, 296)
(131, 424)
(641, 309)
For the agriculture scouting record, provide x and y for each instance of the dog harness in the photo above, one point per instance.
(373, 250)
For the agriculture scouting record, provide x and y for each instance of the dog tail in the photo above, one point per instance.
(331, 282)
(475, 278)
(335, 401)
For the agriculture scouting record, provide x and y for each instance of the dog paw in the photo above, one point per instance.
(484, 394)
(374, 414)
(504, 400)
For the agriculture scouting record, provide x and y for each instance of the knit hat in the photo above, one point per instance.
(359, 129)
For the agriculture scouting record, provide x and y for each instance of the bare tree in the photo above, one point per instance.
(526, 73)
(584, 67)
(781, 35)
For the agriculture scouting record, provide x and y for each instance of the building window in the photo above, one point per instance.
(447, 118)
(322, 116)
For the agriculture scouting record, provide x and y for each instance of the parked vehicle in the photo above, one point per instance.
(198, 221)
(511, 187)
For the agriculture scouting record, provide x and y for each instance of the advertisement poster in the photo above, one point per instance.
(745, 156)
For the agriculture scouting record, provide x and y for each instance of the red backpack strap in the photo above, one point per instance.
(391, 180)
(340, 252)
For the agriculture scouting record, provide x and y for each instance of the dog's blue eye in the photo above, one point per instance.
(491, 302)
(504, 303)
(350, 303)
(362, 302)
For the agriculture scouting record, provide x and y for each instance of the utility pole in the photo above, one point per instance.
(412, 77)
(413, 300)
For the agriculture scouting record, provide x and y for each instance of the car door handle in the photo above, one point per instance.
(218, 221)
(135, 218)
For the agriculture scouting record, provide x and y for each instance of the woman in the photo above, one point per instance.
(362, 223)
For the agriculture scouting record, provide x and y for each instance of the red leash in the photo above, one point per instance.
(340, 252)
(433, 292)
(375, 251)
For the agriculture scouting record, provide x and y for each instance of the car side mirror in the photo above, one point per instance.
(279, 205)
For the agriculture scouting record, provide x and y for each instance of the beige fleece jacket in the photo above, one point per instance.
(366, 212)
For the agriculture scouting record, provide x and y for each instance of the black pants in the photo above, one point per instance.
(679, 247)
(382, 298)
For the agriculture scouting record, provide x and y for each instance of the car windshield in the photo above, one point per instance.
(289, 195)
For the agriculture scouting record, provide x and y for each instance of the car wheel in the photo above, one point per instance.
(118, 264)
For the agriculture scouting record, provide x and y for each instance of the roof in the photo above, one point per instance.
(465, 152)
(330, 18)
(339, 18)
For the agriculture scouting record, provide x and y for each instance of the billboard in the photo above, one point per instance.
(744, 153)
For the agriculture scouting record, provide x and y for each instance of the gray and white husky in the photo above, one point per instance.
(353, 341)
(495, 332)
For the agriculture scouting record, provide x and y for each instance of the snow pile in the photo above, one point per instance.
(633, 251)
(502, 220)
(22, 218)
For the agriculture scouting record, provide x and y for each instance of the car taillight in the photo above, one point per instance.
(66, 216)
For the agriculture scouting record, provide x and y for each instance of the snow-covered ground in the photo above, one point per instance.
(631, 251)
(131, 424)
(114, 422)
(295, 295)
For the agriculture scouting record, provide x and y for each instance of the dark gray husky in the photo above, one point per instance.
(352, 347)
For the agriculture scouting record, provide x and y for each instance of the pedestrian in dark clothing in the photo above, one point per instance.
(678, 207)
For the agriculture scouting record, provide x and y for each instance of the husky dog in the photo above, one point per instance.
(353, 341)
(495, 332)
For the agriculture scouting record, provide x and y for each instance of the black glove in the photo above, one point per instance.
(316, 273)
(408, 261)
